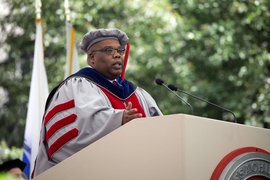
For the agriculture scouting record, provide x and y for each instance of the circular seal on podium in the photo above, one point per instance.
(249, 163)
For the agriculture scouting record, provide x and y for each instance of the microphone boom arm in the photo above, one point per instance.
(174, 88)
(191, 109)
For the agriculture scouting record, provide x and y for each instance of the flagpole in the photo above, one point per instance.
(38, 5)
(72, 64)
(69, 38)
(67, 10)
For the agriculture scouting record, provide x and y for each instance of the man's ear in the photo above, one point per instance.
(91, 59)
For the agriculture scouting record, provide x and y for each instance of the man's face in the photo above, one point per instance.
(17, 174)
(109, 65)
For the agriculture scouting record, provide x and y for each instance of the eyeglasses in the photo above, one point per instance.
(111, 51)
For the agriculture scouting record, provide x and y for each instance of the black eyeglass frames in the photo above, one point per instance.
(111, 51)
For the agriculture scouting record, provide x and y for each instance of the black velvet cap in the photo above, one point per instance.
(95, 36)
(6, 166)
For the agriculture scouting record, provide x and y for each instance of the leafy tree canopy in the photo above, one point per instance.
(215, 49)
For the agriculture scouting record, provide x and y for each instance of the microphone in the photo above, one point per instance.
(161, 82)
(174, 88)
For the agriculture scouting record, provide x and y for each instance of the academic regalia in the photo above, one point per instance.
(81, 112)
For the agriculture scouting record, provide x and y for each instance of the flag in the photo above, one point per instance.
(36, 103)
(72, 63)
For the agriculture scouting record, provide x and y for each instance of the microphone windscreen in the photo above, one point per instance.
(172, 87)
(159, 81)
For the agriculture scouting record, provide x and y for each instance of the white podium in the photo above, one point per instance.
(171, 147)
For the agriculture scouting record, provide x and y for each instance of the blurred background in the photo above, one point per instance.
(215, 49)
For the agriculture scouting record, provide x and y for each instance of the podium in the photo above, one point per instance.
(171, 147)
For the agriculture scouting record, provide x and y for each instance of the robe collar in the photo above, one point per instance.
(123, 91)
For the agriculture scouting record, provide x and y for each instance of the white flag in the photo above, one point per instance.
(72, 63)
(36, 104)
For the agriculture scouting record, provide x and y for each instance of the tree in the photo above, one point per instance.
(119, 14)
(18, 28)
(227, 43)
(217, 49)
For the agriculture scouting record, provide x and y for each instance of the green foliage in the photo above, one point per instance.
(5, 176)
(7, 153)
(215, 49)
(227, 43)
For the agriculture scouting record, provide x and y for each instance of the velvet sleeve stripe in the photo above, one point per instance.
(62, 141)
(57, 109)
(60, 124)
